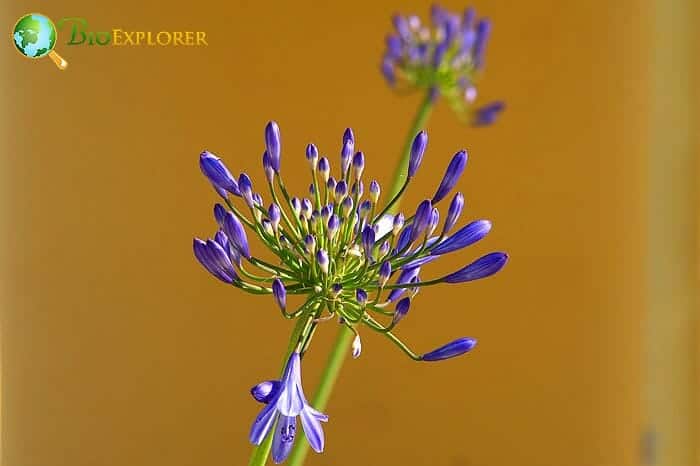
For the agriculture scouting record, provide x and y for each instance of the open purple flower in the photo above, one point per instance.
(445, 59)
(285, 402)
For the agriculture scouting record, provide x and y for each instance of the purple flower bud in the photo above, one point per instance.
(358, 163)
(246, 187)
(341, 190)
(312, 155)
(346, 151)
(454, 171)
(275, 214)
(331, 184)
(322, 260)
(306, 208)
(324, 168)
(384, 273)
(398, 223)
(267, 226)
(365, 207)
(219, 176)
(296, 206)
(402, 27)
(393, 47)
(265, 391)
(404, 238)
(439, 53)
(468, 18)
(388, 72)
(437, 14)
(487, 114)
(401, 310)
(361, 296)
(348, 135)
(312, 189)
(333, 226)
(453, 212)
(356, 347)
(420, 142)
(267, 167)
(374, 191)
(213, 257)
(483, 30)
(326, 211)
(346, 206)
(421, 219)
(481, 268)
(310, 244)
(464, 237)
(450, 350)
(219, 213)
(368, 242)
(236, 234)
(280, 293)
(336, 288)
(273, 144)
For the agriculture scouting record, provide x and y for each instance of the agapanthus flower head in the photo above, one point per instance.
(446, 58)
(340, 251)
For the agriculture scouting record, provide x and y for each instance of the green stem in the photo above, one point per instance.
(345, 335)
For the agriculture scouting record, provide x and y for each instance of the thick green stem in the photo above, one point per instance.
(345, 335)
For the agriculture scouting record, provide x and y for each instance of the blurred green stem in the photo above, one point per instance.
(345, 335)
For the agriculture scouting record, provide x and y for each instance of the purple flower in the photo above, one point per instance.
(464, 237)
(401, 310)
(453, 213)
(444, 60)
(265, 391)
(280, 293)
(481, 268)
(312, 155)
(213, 257)
(454, 171)
(219, 176)
(420, 142)
(421, 219)
(236, 234)
(450, 350)
(368, 238)
(282, 411)
(273, 144)
(487, 114)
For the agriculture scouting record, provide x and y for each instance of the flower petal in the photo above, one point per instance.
(312, 429)
(262, 424)
(283, 440)
(290, 403)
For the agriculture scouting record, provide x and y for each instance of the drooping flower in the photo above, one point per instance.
(342, 252)
(285, 401)
(446, 59)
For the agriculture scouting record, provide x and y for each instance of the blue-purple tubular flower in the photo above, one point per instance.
(445, 59)
(213, 257)
(452, 174)
(481, 268)
(273, 144)
(453, 213)
(280, 293)
(401, 310)
(450, 350)
(420, 142)
(464, 237)
(236, 234)
(219, 176)
(282, 409)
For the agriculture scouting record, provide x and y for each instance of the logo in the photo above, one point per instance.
(35, 36)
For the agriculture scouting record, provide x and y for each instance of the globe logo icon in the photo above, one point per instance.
(34, 36)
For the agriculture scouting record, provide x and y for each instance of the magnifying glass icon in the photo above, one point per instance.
(34, 36)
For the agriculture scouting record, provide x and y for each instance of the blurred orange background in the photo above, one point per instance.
(118, 349)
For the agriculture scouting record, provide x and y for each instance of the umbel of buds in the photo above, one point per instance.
(341, 252)
(445, 58)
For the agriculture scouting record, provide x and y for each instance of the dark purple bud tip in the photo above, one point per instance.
(348, 135)
(265, 391)
(420, 142)
(336, 288)
(219, 213)
(273, 144)
(311, 152)
(384, 272)
(452, 174)
(280, 293)
(450, 350)
(480, 268)
(267, 167)
(401, 310)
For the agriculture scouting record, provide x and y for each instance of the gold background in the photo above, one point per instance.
(118, 349)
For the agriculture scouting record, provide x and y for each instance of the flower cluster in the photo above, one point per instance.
(340, 249)
(446, 59)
